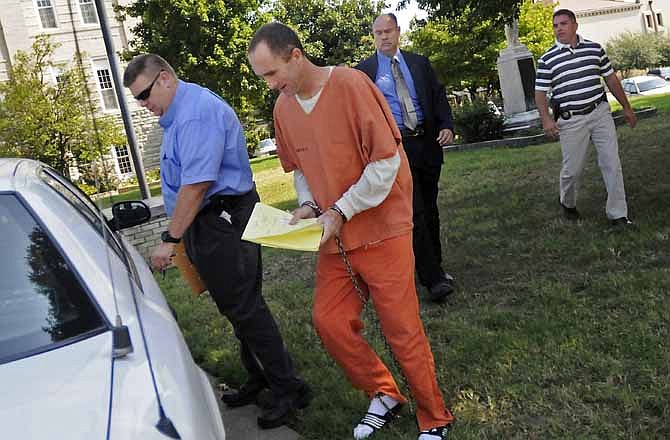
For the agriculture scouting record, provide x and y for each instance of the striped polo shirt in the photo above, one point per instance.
(573, 74)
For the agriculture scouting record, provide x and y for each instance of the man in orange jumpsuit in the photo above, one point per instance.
(335, 131)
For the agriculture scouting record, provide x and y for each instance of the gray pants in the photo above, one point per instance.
(575, 134)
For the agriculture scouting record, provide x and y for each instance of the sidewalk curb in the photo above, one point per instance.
(240, 423)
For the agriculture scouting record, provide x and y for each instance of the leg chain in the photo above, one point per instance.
(373, 317)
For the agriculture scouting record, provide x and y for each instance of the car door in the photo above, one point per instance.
(161, 369)
(55, 373)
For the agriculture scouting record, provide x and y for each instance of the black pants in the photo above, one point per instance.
(232, 271)
(426, 217)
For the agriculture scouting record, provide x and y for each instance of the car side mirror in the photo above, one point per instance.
(129, 213)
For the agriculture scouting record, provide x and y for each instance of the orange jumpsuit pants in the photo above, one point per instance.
(386, 269)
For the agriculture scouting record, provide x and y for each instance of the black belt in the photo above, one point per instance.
(220, 202)
(418, 131)
(567, 114)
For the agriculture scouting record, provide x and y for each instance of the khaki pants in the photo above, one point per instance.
(386, 269)
(575, 134)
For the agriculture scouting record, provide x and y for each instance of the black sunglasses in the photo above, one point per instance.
(144, 94)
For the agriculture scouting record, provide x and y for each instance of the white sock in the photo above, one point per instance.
(376, 407)
(429, 437)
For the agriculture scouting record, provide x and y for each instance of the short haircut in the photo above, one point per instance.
(567, 12)
(148, 63)
(279, 38)
(390, 15)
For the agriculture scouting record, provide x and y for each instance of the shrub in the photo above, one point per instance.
(153, 175)
(476, 122)
(629, 51)
(663, 47)
(129, 182)
(254, 136)
(88, 189)
(97, 176)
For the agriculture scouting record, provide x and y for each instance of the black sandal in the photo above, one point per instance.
(441, 432)
(377, 421)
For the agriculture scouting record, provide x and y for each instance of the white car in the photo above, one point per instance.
(89, 348)
(663, 72)
(267, 146)
(645, 85)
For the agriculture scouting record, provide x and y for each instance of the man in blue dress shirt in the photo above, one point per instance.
(421, 110)
(209, 195)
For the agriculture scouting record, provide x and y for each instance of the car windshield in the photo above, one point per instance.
(651, 84)
(42, 302)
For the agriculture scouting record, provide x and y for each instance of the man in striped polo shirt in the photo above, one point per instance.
(572, 69)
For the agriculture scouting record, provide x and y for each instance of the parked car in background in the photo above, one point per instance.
(645, 85)
(663, 72)
(88, 346)
(266, 146)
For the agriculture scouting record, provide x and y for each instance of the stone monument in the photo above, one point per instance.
(516, 70)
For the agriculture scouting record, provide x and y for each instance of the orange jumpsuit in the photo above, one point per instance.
(350, 126)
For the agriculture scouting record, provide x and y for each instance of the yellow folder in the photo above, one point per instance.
(269, 226)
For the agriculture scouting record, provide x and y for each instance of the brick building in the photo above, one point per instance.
(74, 25)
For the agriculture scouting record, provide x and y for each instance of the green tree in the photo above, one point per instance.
(536, 27)
(630, 50)
(47, 121)
(464, 51)
(332, 31)
(495, 11)
(663, 47)
(206, 42)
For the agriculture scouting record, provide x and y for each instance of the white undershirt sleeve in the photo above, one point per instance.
(372, 188)
(302, 188)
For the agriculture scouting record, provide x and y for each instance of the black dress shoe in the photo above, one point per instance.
(247, 394)
(569, 213)
(439, 291)
(621, 222)
(279, 413)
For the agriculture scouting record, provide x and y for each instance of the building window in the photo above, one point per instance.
(123, 159)
(659, 19)
(104, 77)
(648, 19)
(57, 75)
(88, 13)
(47, 14)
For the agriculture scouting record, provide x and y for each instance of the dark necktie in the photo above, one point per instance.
(409, 119)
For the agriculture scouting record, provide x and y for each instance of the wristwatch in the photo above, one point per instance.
(167, 238)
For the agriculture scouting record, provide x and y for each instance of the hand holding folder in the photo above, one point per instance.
(269, 226)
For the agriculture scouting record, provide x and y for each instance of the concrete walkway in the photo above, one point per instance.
(240, 423)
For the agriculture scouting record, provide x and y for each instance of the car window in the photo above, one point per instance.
(651, 84)
(81, 203)
(87, 208)
(42, 302)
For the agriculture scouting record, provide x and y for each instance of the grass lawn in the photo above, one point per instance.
(257, 165)
(128, 194)
(557, 330)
